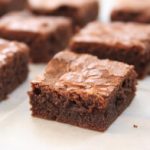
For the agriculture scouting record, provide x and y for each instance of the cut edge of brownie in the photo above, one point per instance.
(42, 46)
(70, 108)
(14, 71)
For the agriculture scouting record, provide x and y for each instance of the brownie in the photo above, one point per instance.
(131, 10)
(80, 11)
(9, 5)
(81, 90)
(14, 58)
(126, 42)
(44, 35)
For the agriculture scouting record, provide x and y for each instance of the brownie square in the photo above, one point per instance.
(80, 11)
(9, 5)
(126, 42)
(44, 35)
(81, 90)
(14, 58)
(131, 10)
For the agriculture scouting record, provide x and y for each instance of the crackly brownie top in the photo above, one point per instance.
(134, 5)
(8, 49)
(26, 22)
(55, 4)
(84, 74)
(115, 34)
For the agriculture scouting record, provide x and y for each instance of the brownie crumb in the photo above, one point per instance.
(135, 126)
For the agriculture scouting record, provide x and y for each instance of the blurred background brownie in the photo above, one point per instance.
(82, 90)
(14, 57)
(44, 35)
(126, 42)
(80, 11)
(131, 10)
(9, 5)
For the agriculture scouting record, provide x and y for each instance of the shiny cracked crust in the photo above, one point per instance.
(126, 34)
(84, 75)
(126, 42)
(26, 22)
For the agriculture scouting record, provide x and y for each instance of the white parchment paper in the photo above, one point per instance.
(20, 131)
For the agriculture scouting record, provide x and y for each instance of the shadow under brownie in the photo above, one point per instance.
(80, 11)
(131, 11)
(44, 35)
(82, 90)
(126, 42)
(14, 59)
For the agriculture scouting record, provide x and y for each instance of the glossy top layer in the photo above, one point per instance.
(28, 23)
(85, 75)
(8, 49)
(115, 34)
(133, 4)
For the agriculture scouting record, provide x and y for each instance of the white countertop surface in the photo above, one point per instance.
(20, 131)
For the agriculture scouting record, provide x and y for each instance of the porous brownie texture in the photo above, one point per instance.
(82, 90)
(80, 11)
(126, 42)
(131, 11)
(44, 35)
(14, 59)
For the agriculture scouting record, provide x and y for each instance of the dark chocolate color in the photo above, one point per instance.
(10, 5)
(126, 42)
(44, 35)
(131, 11)
(14, 59)
(82, 90)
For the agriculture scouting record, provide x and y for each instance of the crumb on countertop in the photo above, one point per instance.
(135, 126)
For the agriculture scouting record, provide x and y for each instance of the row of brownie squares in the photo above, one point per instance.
(85, 91)
(79, 11)
(124, 10)
(78, 89)
(80, 93)
(46, 36)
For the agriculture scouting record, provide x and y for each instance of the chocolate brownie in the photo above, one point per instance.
(44, 35)
(9, 5)
(13, 66)
(131, 10)
(80, 11)
(81, 90)
(126, 42)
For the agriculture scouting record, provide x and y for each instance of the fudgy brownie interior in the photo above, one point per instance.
(13, 66)
(79, 91)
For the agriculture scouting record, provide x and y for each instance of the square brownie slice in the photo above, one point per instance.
(80, 11)
(9, 5)
(82, 90)
(14, 58)
(131, 10)
(126, 42)
(44, 35)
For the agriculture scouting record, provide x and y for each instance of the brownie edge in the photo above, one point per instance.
(82, 90)
(14, 58)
